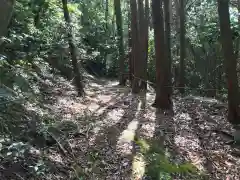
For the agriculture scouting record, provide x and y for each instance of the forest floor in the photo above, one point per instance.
(109, 119)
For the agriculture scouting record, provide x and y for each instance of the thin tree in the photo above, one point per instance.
(230, 61)
(238, 38)
(145, 42)
(163, 94)
(141, 21)
(118, 14)
(182, 47)
(106, 14)
(130, 59)
(107, 31)
(78, 77)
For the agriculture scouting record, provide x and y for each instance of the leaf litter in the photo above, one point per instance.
(108, 120)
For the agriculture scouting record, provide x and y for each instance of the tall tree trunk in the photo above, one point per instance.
(170, 12)
(182, 47)
(140, 80)
(177, 44)
(78, 77)
(6, 10)
(138, 65)
(130, 59)
(145, 43)
(141, 21)
(238, 38)
(163, 99)
(229, 61)
(168, 56)
(107, 33)
(106, 13)
(118, 14)
(135, 44)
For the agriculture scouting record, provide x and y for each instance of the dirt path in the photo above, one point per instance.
(109, 118)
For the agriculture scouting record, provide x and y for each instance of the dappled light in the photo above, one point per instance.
(138, 167)
(119, 90)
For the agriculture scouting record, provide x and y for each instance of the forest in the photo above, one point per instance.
(119, 89)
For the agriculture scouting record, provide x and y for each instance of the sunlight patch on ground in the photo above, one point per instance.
(56, 158)
(114, 116)
(150, 97)
(112, 83)
(190, 146)
(148, 124)
(124, 144)
(109, 120)
(196, 160)
(184, 119)
(138, 167)
(93, 107)
(187, 142)
(148, 129)
(201, 99)
(128, 134)
(104, 98)
(184, 116)
(96, 85)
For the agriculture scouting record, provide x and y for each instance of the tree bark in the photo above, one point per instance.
(230, 61)
(163, 95)
(238, 38)
(170, 12)
(135, 44)
(130, 59)
(107, 34)
(78, 77)
(138, 65)
(118, 14)
(145, 43)
(106, 14)
(168, 55)
(6, 11)
(140, 80)
(182, 47)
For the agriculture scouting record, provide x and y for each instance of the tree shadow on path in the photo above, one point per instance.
(157, 146)
(116, 163)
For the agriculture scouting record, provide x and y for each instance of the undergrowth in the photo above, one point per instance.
(158, 163)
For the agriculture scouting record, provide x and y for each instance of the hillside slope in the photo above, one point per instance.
(57, 135)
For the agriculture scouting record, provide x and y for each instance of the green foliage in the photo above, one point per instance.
(158, 162)
(151, 58)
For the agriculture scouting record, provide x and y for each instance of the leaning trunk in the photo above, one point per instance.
(230, 61)
(78, 77)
